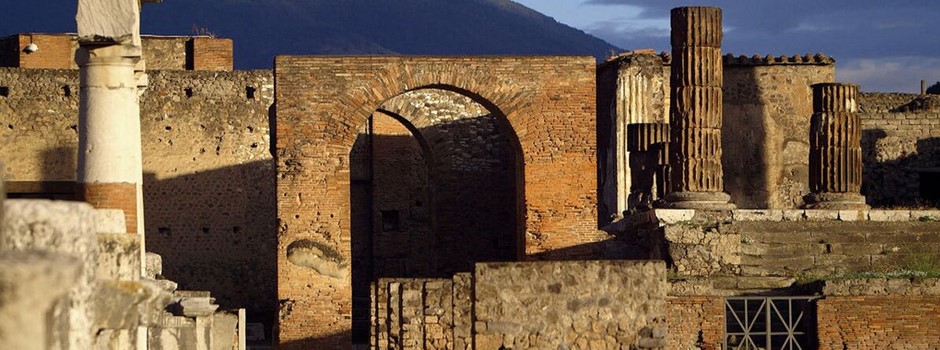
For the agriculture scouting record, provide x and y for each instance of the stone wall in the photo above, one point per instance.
(771, 244)
(548, 104)
(900, 149)
(765, 137)
(577, 304)
(209, 174)
(542, 305)
(879, 314)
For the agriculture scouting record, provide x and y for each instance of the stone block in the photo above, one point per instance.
(153, 265)
(118, 256)
(673, 216)
(110, 221)
(794, 215)
(196, 306)
(115, 20)
(66, 228)
(853, 215)
(116, 304)
(757, 215)
(821, 215)
(889, 215)
(31, 283)
(925, 215)
(224, 330)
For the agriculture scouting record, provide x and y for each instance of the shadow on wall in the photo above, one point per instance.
(744, 139)
(428, 202)
(900, 172)
(223, 237)
(332, 341)
(59, 163)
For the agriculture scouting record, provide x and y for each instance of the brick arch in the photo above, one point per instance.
(322, 102)
(497, 95)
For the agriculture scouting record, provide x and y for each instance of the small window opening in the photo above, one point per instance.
(66, 90)
(4, 91)
(189, 92)
(250, 92)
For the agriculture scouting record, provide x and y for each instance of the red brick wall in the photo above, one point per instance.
(695, 322)
(212, 54)
(322, 102)
(55, 51)
(879, 322)
(114, 196)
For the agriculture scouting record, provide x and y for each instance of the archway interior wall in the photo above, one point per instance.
(322, 103)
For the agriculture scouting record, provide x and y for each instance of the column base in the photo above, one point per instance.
(699, 200)
(835, 201)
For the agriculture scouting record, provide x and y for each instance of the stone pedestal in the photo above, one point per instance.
(696, 110)
(835, 156)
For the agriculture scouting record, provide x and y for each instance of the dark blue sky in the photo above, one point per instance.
(882, 45)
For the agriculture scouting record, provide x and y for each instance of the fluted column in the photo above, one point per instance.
(639, 103)
(835, 155)
(696, 110)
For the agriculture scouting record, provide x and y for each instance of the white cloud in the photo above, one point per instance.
(889, 74)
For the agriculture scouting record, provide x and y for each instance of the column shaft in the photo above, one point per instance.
(110, 173)
(835, 158)
(696, 110)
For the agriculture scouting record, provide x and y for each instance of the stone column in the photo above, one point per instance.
(110, 174)
(695, 110)
(835, 155)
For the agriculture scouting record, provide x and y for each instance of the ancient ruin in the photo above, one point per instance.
(695, 110)
(504, 202)
(835, 156)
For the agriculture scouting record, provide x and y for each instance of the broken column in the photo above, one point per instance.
(110, 173)
(695, 110)
(835, 155)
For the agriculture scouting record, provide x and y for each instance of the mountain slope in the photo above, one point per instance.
(262, 29)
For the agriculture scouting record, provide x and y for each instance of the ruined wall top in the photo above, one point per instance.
(758, 60)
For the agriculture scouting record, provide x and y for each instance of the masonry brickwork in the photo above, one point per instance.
(57, 51)
(903, 314)
(547, 101)
(695, 322)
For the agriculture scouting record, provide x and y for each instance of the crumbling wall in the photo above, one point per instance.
(900, 149)
(209, 174)
(574, 304)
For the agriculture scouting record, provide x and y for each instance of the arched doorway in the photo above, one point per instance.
(434, 180)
